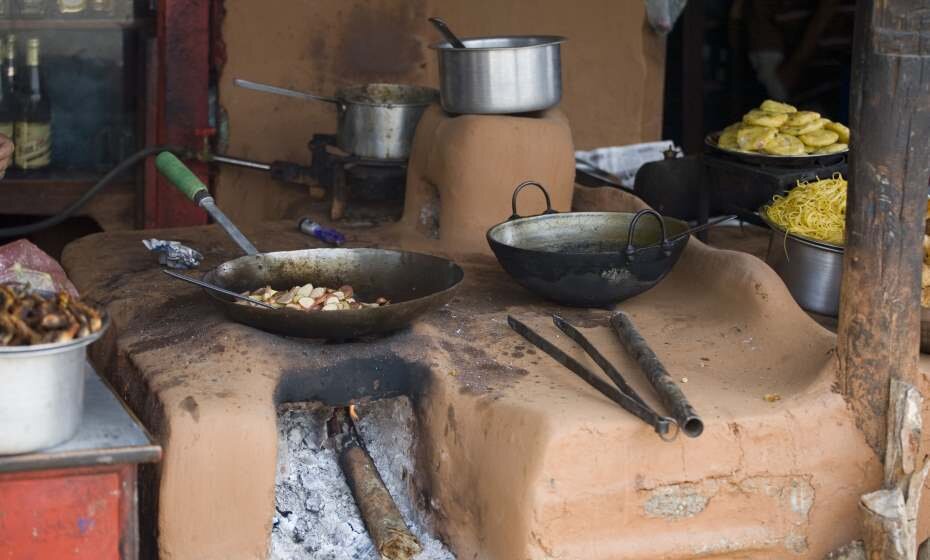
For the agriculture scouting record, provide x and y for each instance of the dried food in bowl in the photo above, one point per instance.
(29, 317)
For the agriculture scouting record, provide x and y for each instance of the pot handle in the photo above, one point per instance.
(630, 249)
(520, 187)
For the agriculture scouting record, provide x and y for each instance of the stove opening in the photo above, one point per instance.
(316, 516)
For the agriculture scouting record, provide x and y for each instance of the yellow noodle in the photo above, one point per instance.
(816, 210)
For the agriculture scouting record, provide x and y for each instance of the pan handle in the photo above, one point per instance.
(520, 187)
(630, 249)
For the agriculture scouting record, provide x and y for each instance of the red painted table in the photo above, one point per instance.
(77, 501)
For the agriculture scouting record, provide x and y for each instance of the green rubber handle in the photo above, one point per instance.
(183, 178)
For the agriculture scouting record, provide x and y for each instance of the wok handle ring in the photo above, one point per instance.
(520, 187)
(630, 249)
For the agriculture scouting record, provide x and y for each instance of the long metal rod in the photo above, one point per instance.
(266, 88)
(660, 424)
(216, 288)
(670, 393)
(208, 204)
(241, 162)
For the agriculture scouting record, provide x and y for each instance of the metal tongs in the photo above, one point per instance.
(684, 418)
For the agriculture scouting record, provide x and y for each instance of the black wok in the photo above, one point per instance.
(414, 283)
(587, 259)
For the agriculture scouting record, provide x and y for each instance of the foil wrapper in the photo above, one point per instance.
(173, 254)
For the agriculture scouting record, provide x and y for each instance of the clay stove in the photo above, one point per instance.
(516, 457)
(463, 171)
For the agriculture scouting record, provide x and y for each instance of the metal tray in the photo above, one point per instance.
(810, 160)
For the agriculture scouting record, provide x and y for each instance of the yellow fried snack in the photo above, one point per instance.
(784, 145)
(840, 129)
(754, 137)
(727, 139)
(777, 107)
(832, 149)
(816, 124)
(820, 138)
(801, 118)
(758, 117)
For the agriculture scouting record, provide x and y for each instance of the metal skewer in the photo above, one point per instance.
(215, 288)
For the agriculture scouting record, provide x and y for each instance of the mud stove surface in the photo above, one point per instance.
(515, 456)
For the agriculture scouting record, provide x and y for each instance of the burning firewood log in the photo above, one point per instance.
(384, 522)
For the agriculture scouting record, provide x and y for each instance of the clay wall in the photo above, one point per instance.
(613, 71)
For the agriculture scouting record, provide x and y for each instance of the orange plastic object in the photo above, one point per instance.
(67, 514)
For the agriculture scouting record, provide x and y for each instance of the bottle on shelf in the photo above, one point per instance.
(32, 8)
(33, 130)
(9, 64)
(103, 7)
(7, 97)
(71, 8)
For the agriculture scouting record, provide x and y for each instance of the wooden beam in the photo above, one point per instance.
(692, 77)
(879, 322)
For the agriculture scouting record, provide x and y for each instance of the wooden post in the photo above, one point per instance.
(692, 77)
(879, 322)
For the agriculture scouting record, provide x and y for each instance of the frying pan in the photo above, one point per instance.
(808, 160)
(587, 259)
(414, 283)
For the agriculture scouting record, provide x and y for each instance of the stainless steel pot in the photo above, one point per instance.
(375, 121)
(811, 269)
(499, 75)
(42, 393)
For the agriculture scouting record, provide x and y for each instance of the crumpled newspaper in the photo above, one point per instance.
(173, 254)
(662, 14)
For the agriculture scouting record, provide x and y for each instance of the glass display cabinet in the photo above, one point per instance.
(87, 83)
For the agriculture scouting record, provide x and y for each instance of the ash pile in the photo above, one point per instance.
(316, 514)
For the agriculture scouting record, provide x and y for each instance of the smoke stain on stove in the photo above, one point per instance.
(452, 425)
(381, 40)
(189, 405)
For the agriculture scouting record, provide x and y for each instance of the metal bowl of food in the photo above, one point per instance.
(42, 389)
(812, 270)
(42, 394)
(711, 145)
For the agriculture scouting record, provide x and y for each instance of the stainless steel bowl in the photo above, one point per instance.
(500, 75)
(42, 393)
(812, 270)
